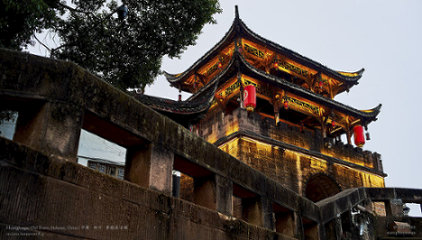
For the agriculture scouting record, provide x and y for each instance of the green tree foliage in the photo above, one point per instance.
(19, 20)
(126, 52)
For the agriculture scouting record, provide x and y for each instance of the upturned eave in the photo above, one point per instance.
(239, 29)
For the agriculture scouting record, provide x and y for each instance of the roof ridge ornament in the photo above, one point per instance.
(236, 12)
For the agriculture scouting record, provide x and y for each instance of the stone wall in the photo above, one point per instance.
(288, 155)
(49, 198)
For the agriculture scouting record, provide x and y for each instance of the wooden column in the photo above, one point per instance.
(323, 121)
(323, 130)
(330, 89)
(349, 136)
(277, 106)
(310, 81)
(239, 80)
(348, 131)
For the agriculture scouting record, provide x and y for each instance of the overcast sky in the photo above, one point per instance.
(384, 37)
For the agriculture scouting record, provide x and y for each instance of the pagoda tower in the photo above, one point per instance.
(274, 110)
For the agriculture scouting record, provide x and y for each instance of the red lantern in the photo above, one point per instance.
(359, 136)
(333, 124)
(249, 96)
(320, 84)
(220, 65)
(275, 65)
(286, 104)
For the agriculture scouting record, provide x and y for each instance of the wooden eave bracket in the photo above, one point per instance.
(201, 78)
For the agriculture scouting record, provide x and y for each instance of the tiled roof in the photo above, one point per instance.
(239, 63)
(184, 112)
(239, 28)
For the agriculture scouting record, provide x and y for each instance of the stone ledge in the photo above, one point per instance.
(250, 134)
(70, 84)
(37, 190)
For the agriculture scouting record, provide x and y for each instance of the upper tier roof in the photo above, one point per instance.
(239, 62)
(239, 29)
(191, 110)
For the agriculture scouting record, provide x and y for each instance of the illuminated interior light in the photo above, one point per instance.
(232, 129)
(230, 142)
(251, 140)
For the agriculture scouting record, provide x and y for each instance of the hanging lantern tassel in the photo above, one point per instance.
(249, 96)
(277, 119)
(358, 135)
(368, 137)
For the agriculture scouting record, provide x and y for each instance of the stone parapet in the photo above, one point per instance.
(44, 193)
(219, 125)
(288, 155)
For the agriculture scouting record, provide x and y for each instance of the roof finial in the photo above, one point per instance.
(236, 11)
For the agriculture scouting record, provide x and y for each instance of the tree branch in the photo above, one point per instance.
(76, 10)
(72, 9)
(39, 41)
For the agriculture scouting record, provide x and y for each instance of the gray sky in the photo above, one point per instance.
(384, 37)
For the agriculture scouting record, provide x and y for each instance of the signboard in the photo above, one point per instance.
(288, 67)
(302, 106)
(254, 51)
(232, 87)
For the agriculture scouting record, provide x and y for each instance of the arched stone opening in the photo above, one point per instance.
(321, 186)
